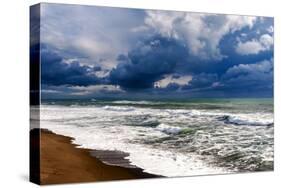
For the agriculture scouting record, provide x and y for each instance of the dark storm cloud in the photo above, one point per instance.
(34, 24)
(54, 71)
(159, 56)
(250, 77)
(250, 80)
(137, 49)
(148, 62)
(201, 81)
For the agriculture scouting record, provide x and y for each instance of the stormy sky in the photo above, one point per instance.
(89, 52)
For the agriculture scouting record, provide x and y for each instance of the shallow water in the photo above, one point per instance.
(172, 138)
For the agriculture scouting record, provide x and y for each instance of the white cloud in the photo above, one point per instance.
(87, 90)
(89, 32)
(50, 91)
(267, 41)
(141, 28)
(201, 32)
(255, 71)
(254, 46)
(181, 80)
(249, 47)
(91, 46)
(270, 29)
(102, 73)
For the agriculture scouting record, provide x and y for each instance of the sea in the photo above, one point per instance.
(172, 137)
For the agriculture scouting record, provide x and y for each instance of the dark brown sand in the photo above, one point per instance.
(62, 162)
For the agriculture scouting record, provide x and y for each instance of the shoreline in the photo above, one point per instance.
(62, 162)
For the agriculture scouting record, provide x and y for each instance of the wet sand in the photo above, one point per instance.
(62, 162)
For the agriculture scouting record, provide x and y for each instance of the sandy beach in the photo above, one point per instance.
(62, 162)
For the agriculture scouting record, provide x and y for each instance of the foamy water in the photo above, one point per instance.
(175, 141)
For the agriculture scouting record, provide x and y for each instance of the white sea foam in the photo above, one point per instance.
(257, 120)
(168, 129)
(118, 108)
(132, 102)
(127, 128)
(97, 134)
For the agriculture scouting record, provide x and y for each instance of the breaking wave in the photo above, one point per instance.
(170, 141)
(119, 108)
(228, 119)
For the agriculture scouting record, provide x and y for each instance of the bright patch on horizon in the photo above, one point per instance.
(180, 80)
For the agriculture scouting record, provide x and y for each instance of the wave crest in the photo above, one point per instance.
(228, 119)
(118, 108)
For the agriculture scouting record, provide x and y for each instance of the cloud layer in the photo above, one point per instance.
(255, 46)
(55, 71)
(148, 63)
(88, 51)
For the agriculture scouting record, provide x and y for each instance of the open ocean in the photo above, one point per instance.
(172, 138)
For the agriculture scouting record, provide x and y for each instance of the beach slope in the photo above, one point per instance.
(62, 162)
